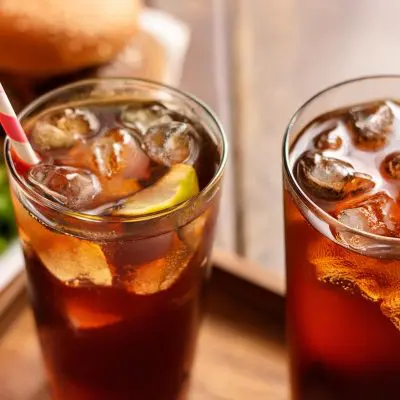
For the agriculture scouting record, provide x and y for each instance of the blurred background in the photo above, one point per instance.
(254, 62)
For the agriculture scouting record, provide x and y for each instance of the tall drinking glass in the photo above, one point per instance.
(117, 297)
(342, 242)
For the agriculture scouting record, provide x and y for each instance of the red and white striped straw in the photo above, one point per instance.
(14, 131)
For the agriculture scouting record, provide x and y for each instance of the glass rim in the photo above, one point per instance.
(294, 185)
(30, 193)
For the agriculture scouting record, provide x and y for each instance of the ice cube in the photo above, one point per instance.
(172, 143)
(372, 215)
(160, 274)
(143, 116)
(61, 130)
(74, 261)
(89, 312)
(390, 166)
(79, 122)
(330, 178)
(150, 265)
(328, 139)
(136, 252)
(81, 318)
(176, 262)
(147, 278)
(48, 137)
(70, 186)
(376, 279)
(119, 153)
(371, 126)
(192, 233)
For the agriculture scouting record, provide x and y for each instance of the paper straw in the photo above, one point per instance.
(14, 131)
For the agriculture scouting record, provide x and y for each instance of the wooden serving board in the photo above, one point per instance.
(241, 351)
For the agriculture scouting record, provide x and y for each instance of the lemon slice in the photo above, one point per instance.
(177, 186)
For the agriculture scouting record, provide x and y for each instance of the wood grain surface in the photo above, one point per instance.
(241, 351)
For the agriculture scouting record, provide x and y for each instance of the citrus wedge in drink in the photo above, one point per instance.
(177, 186)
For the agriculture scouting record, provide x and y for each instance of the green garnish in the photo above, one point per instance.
(7, 222)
